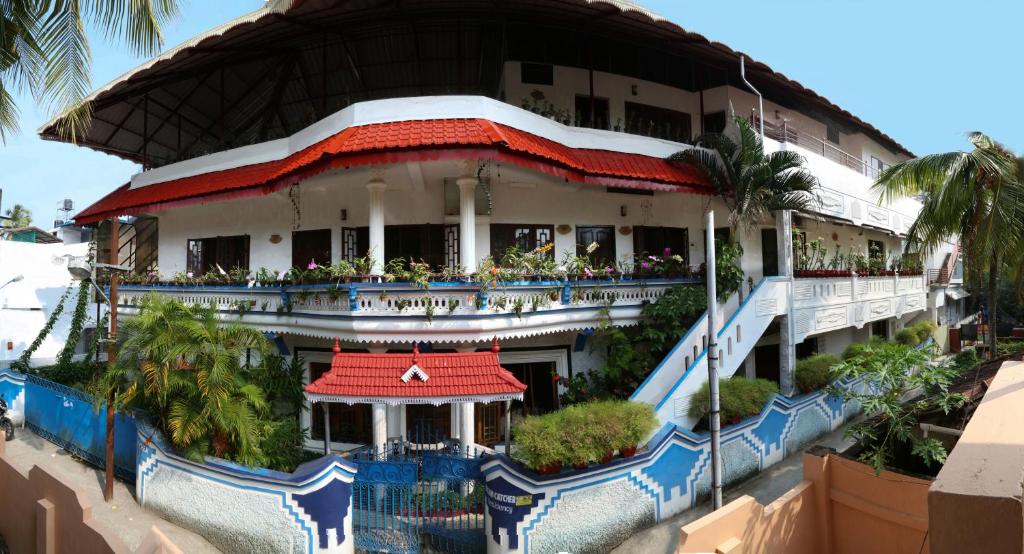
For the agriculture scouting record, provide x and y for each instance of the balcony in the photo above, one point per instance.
(405, 312)
(828, 304)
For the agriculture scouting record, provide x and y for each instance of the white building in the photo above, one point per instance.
(448, 131)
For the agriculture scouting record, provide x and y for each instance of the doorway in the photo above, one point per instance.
(605, 239)
(766, 360)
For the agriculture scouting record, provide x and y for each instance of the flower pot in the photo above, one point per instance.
(607, 457)
(628, 452)
(580, 466)
(549, 469)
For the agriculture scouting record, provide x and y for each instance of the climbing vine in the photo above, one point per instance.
(77, 324)
(98, 337)
(22, 362)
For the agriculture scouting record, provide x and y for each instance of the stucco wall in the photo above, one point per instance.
(982, 476)
(840, 507)
(244, 510)
(595, 509)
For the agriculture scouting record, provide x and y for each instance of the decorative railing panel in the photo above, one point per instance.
(821, 305)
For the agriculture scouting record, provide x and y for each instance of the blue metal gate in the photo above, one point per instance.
(424, 493)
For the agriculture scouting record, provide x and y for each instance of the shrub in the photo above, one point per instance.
(857, 348)
(739, 398)
(924, 329)
(908, 337)
(582, 433)
(812, 373)
(966, 360)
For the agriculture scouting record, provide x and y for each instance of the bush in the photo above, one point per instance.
(966, 360)
(857, 348)
(812, 373)
(924, 329)
(908, 337)
(1007, 347)
(582, 433)
(739, 398)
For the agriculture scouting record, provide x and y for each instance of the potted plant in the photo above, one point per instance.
(638, 422)
(538, 444)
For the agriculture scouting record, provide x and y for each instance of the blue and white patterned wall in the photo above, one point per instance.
(243, 510)
(12, 390)
(597, 508)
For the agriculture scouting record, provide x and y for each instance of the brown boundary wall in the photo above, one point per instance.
(841, 507)
(40, 513)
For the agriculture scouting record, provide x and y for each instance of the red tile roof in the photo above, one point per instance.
(443, 378)
(404, 141)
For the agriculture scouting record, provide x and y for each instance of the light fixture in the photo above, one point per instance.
(14, 279)
(622, 210)
(635, 89)
(82, 270)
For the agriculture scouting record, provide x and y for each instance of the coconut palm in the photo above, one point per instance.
(975, 195)
(44, 50)
(187, 371)
(752, 184)
(17, 216)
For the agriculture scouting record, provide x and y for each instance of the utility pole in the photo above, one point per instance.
(714, 419)
(108, 485)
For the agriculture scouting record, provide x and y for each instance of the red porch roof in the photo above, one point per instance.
(415, 378)
(406, 141)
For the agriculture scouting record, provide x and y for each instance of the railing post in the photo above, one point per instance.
(353, 298)
(566, 293)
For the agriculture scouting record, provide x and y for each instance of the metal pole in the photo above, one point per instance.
(760, 99)
(508, 427)
(714, 419)
(108, 485)
(326, 407)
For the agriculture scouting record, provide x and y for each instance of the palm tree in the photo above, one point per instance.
(187, 370)
(752, 184)
(44, 50)
(975, 195)
(17, 216)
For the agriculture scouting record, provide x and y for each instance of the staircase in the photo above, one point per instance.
(684, 370)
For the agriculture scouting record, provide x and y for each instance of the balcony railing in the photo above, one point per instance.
(439, 301)
(783, 132)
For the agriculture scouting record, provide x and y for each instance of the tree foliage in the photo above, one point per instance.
(753, 184)
(17, 216)
(44, 51)
(891, 374)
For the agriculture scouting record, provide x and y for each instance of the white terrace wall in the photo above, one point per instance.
(595, 509)
(243, 510)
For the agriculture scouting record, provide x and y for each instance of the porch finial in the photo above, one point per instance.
(337, 346)
(494, 345)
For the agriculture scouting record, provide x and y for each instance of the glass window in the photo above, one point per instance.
(311, 245)
(653, 241)
(652, 121)
(582, 115)
(525, 237)
(876, 249)
(225, 252)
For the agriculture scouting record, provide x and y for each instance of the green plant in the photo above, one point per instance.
(671, 315)
(728, 274)
(22, 363)
(889, 373)
(924, 329)
(857, 348)
(752, 183)
(739, 398)
(78, 318)
(965, 360)
(538, 442)
(813, 372)
(908, 337)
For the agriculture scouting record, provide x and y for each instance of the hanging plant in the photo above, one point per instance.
(22, 362)
(77, 324)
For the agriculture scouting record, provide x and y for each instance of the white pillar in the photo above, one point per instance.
(455, 410)
(380, 428)
(377, 188)
(787, 335)
(467, 424)
(326, 407)
(467, 222)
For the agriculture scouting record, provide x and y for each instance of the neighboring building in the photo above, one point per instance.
(28, 234)
(448, 131)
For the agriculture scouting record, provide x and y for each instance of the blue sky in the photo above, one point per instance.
(924, 71)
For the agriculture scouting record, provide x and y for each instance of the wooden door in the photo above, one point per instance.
(604, 236)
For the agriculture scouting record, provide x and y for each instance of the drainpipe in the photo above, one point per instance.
(760, 99)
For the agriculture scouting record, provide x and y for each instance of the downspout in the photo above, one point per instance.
(760, 99)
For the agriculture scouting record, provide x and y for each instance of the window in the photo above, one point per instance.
(652, 241)
(878, 165)
(714, 122)
(525, 237)
(416, 242)
(311, 245)
(536, 73)
(582, 115)
(355, 242)
(876, 249)
(832, 133)
(226, 252)
(605, 239)
(769, 252)
(652, 121)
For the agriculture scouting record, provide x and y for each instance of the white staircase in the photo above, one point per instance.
(684, 370)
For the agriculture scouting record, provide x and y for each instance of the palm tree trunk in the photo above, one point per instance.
(993, 301)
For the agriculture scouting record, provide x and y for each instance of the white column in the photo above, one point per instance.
(380, 427)
(326, 407)
(377, 188)
(467, 222)
(787, 335)
(467, 424)
(455, 410)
